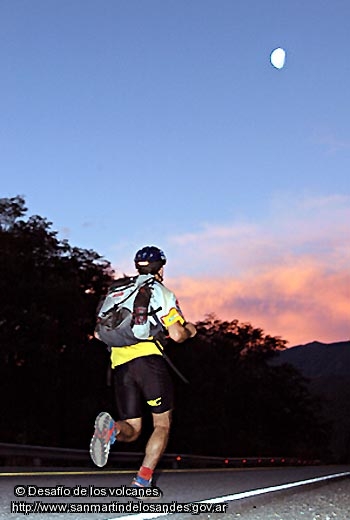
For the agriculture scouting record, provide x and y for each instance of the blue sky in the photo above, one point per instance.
(162, 122)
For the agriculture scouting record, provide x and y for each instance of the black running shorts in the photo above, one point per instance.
(144, 379)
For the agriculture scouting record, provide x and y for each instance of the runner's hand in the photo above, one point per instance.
(191, 329)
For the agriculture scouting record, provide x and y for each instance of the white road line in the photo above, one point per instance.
(238, 496)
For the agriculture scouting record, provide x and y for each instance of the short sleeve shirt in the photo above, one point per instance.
(169, 313)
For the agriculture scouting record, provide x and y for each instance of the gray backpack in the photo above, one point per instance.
(123, 318)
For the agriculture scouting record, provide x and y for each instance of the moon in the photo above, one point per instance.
(278, 58)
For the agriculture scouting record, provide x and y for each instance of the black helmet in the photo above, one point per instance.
(149, 260)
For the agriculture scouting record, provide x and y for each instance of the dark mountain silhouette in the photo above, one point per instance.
(327, 368)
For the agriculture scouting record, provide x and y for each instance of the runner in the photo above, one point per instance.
(140, 373)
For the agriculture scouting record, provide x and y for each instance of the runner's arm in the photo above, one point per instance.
(180, 332)
(172, 317)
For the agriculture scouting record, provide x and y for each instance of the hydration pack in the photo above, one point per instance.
(125, 316)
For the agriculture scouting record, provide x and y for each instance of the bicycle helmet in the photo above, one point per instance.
(149, 260)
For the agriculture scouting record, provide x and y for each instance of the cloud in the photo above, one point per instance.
(300, 302)
(332, 143)
(288, 274)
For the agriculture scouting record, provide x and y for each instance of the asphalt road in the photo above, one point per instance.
(307, 493)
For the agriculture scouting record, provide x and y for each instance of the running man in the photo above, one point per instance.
(140, 373)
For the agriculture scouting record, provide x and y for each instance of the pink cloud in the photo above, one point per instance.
(301, 302)
(288, 274)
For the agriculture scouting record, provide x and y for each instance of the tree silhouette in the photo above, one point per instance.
(237, 401)
(47, 314)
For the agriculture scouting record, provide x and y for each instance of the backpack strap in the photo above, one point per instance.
(140, 312)
(170, 363)
(142, 302)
